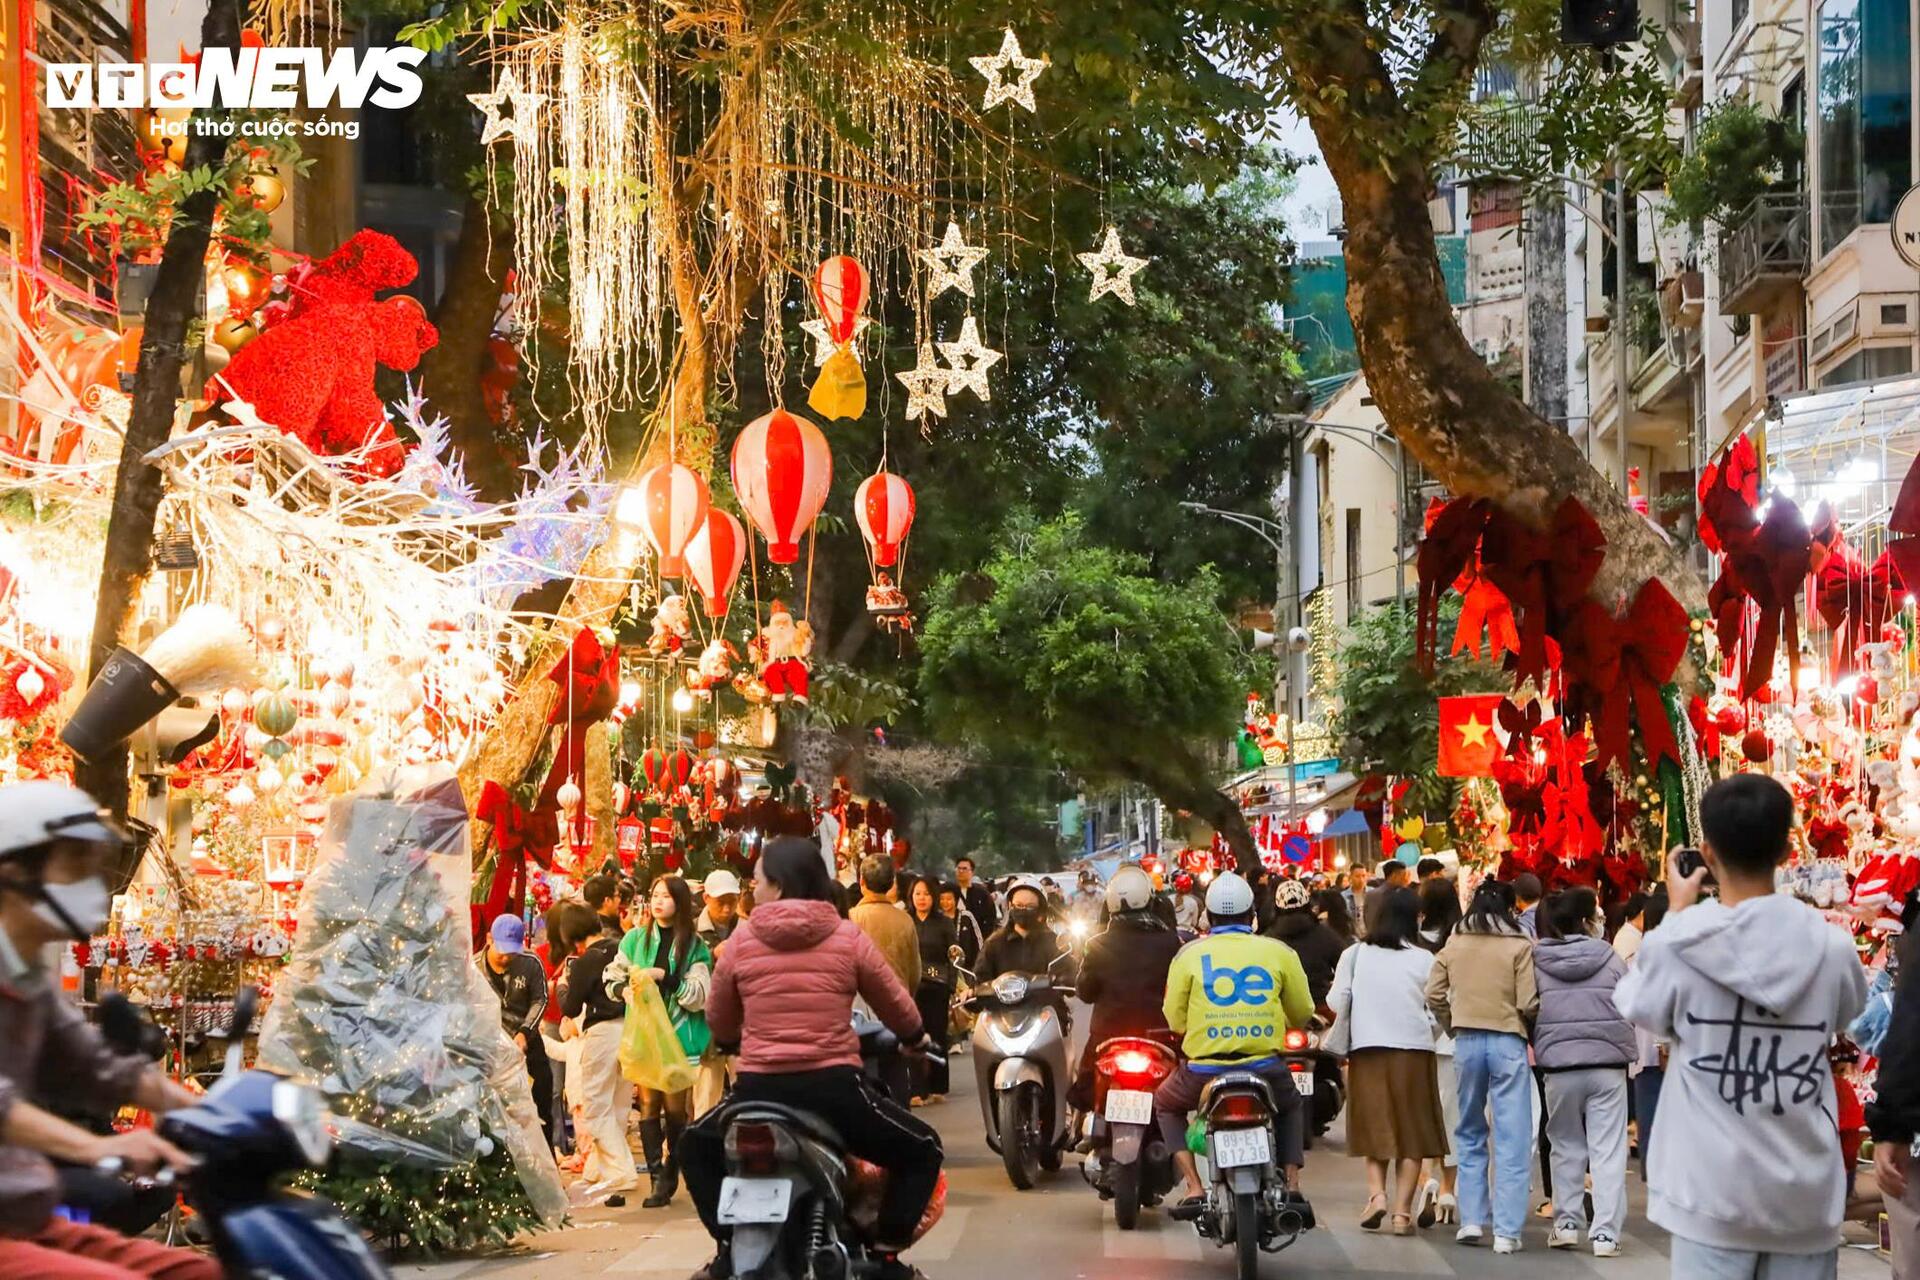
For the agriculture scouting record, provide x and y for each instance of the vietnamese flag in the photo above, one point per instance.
(1469, 742)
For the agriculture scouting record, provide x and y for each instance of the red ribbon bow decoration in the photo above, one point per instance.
(1729, 491)
(1520, 723)
(1766, 567)
(1544, 574)
(1446, 554)
(1616, 666)
(517, 836)
(1855, 600)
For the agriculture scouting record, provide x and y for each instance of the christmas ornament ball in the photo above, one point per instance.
(1756, 747)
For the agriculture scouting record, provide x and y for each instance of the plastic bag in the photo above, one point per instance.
(380, 1006)
(650, 1049)
(867, 1185)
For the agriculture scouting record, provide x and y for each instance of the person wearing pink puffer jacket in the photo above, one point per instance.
(784, 989)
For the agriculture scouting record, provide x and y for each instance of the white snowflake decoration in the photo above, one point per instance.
(1000, 88)
(968, 361)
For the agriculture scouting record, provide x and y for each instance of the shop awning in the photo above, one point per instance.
(1351, 823)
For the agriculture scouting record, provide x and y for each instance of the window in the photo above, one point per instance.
(1865, 113)
(1869, 365)
(1353, 562)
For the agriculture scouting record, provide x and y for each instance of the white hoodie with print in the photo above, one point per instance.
(1746, 1148)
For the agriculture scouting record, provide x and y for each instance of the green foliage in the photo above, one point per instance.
(480, 1205)
(1388, 715)
(842, 698)
(1739, 154)
(1068, 650)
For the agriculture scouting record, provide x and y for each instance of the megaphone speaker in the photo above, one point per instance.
(125, 695)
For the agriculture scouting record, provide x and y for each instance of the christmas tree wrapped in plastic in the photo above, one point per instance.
(380, 1007)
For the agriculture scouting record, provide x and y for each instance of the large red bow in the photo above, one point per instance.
(1855, 600)
(1766, 567)
(517, 836)
(1615, 666)
(1729, 491)
(1446, 553)
(1544, 573)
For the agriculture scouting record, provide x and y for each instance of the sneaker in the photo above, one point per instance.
(1565, 1238)
(1506, 1244)
(1606, 1247)
(1470, 1235)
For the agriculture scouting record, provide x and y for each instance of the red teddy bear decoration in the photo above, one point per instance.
(310, 372)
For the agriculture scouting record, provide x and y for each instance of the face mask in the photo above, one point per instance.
(1026, 915)
(76, 909)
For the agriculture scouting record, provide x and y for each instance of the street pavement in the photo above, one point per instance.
(1061, 1228)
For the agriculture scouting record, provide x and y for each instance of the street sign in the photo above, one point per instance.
(1906, 226)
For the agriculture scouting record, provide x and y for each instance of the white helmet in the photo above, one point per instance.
(1229, 895)
(1131, 889)
(1290, 894)
(39, 812)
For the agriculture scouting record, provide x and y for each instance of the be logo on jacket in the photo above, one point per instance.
(1233, 995)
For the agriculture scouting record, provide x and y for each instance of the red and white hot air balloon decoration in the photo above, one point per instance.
(883, 508)
(714, 557)
(782, 469)
(840, 291)
(674, 503)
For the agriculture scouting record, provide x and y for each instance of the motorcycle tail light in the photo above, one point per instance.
(1239, 1109)
(1132, 1062)
(1297, 1041)
(1135, 1062)
(754, 1148)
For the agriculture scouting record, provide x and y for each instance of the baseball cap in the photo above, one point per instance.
(509, 934)
(720, 884)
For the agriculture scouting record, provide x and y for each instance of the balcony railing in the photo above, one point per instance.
(1763, 252)
(1499, 138)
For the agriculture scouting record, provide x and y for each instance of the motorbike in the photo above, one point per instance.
(1247, 1206)
(1020, 1061)
(1316, 1074)
(249, 1129)
(1130, 1163)
(789, 1196)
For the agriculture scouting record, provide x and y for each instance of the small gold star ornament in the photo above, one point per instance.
(950, 263)
(524, 105)
(926, 385)
(968, 361)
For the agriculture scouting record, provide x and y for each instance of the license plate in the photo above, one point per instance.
(1235, 1147)
(750, 1200)
(1129, 1106)
(1303, 1081)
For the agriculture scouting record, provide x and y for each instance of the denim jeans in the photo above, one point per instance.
(1491, 1067)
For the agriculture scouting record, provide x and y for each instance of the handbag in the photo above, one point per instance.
(1338, 1039)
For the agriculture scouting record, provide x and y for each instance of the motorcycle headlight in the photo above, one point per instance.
(305, 1117)
(1010, 988)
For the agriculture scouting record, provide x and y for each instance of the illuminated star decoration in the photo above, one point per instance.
(950, 263)
(823, 344)
(1113, 270)
(524, 105)
(926, 385)
(1025, 71)
(969, 361)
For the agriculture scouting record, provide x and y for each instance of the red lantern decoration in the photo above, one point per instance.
(674, 505)
(782, 469)
(840, 289)
(883, 508)
(714, 556)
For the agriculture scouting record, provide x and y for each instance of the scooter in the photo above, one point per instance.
(249, 1129)
(790, 1199)
(1129, 1164)
(1316, 1074)
(1247, 1205)
(1020, 1061)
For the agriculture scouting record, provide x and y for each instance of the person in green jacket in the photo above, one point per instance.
(1233, 995)
(667, 948)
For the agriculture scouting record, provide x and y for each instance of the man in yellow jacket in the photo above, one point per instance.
(1232, 996)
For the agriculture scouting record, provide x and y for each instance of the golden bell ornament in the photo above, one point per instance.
(233, 333)
(265, 189)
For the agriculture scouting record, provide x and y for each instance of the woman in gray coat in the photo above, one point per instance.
(1582, 1046)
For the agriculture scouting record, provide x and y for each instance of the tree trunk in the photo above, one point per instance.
(1183, 780)
(1220, 811)
(450, 371)
(137, 485)
(1436, 393)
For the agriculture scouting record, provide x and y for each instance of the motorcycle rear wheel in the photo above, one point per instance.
(1126, 1196)
(1018, 1142)
(1246, 1234)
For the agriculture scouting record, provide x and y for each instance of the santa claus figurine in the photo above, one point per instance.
(715, 667)
(782, 649)
(671, 626)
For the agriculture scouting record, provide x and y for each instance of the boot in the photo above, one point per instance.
(668, 1180)
(650, 1146)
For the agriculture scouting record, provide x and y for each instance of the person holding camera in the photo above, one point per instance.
(1749, 989)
